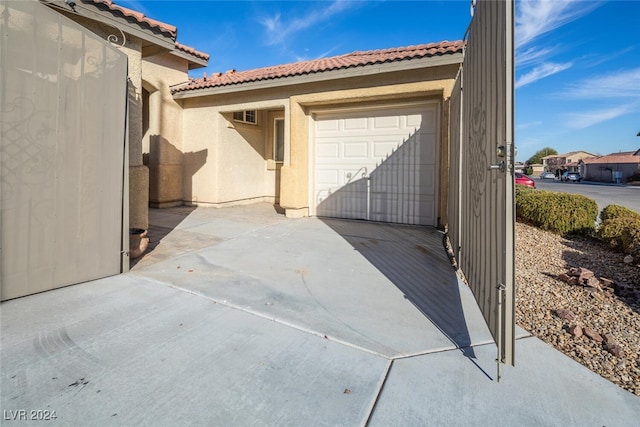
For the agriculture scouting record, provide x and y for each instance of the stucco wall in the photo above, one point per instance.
(230, 159)
(235, 169)
(162, 139)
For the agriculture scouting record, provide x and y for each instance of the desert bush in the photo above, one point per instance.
(560, 213)
(617, 211)
(620, 228)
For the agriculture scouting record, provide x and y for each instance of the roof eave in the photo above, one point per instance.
(92, 12)
(194, 61)
(359, 71)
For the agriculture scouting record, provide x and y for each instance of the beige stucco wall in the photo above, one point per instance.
(236, 169)
(162, 138)
(230, 161)
(138, 173)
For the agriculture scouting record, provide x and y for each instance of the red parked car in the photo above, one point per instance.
(523, 179)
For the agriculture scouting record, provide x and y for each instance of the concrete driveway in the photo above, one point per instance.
(240, 316)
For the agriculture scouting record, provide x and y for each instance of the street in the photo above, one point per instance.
(603, 194)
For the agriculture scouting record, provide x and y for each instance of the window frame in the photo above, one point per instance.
(275, 139)
(244, 114)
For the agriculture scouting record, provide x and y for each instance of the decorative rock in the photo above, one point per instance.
(576, 331)
(628, 259)
(607, 283)
(581, 273)
(542, 260)
(565, 314)
(592, 334)
(616, 350)
(609, 339)
(573, 281)
(574, 271)
(592, 282)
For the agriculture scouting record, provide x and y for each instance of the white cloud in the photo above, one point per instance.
(320, 56)
(279, 31)
(595, 59)
(532, 55)
(540, 72)
(528, 125)
(537, 17)
(590, 118)
(622, 84)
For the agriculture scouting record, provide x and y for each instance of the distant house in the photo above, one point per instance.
(558, 163)
(536, 169)
(615, 167)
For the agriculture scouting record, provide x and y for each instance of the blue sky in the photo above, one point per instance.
(578, 61)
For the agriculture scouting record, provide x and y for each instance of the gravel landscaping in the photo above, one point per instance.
(584, 299)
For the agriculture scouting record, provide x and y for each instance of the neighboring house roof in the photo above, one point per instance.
(350, 60)
(622, 157)
(571, 154)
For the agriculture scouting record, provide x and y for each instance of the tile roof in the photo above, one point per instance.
(570, 154)
(167, 30)
(192, 51)
(138, 17)
(622, 157)
(350, 60)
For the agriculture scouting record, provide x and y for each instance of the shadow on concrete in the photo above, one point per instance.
(414, 260)
(161, 223)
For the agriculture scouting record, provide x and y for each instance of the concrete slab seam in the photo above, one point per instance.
(446, 349)
(378, 394)
(272, 319)
(441, 350)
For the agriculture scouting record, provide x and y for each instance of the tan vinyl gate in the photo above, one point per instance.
(63, 101)
(481, 207)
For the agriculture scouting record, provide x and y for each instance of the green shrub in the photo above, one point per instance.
(620, 228)
(560, 213)
(617, 211)
(520, 189)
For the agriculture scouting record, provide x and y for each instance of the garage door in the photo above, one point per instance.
(378, 165)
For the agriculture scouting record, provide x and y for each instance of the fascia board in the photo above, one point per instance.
(361, 71)
(194, 61)
(107, 19)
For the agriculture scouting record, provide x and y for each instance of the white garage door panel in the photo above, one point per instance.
(356, 150)
(377, 165)
(355, 124)
(392, 122)
(350, 202)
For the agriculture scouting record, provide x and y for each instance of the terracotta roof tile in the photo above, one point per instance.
(139, 17)
(192, 51)
(624, 157)
(350, 60)
(167, 30)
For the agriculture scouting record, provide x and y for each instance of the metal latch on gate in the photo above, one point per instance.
(501, 152)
